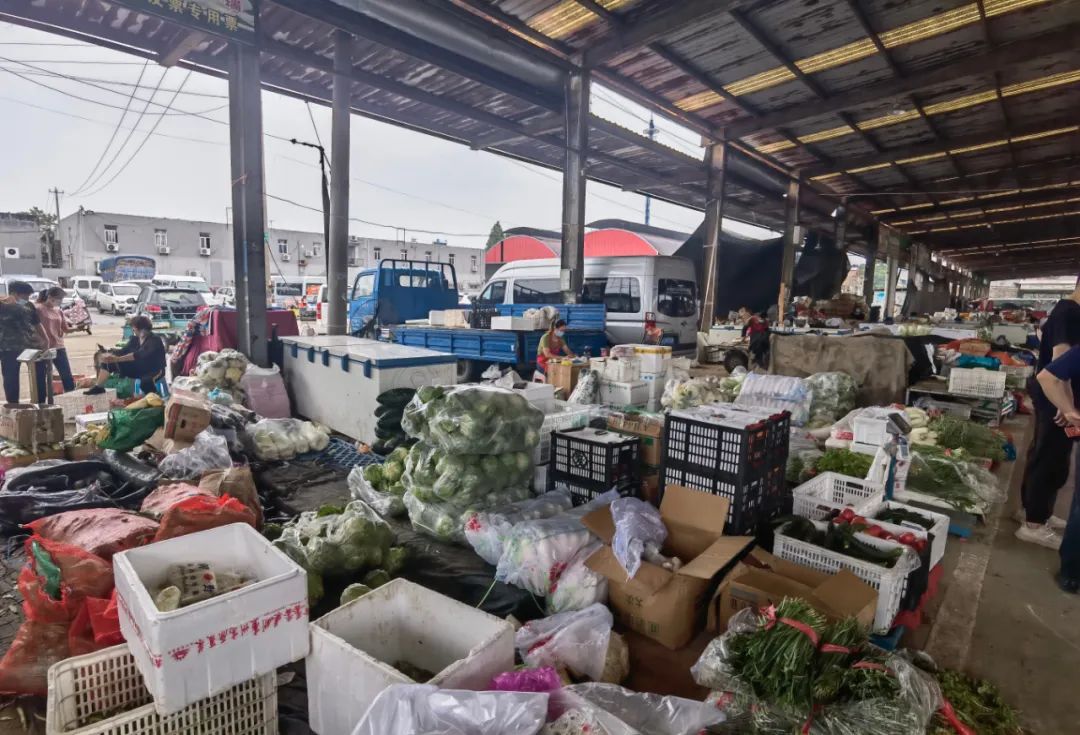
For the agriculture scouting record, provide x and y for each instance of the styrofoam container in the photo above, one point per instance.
(436, 318)
(655, 359)
(631, 393)
(514, 323)
(102, 693)
(623, 369)
(541, 395)
(540, 475)
(203, 649)
(77, 403)
(354, 649)
(84, 420)
(564, 416)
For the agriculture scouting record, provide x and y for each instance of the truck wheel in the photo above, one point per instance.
(734, 359)
(467, 371)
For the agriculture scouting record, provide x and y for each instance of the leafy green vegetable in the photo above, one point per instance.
(329, 510)
(978, 704)
(272, 531)
(977, 439)
(845, 462)
(376, 578)
(353, 592)
(315, 590)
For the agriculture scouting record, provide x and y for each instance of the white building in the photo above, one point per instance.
(20, 246)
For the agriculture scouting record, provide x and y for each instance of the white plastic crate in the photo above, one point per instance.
(355, 648)
(940, 529)
(1017, 374)
(959, 410)
(889, 583)
(619, 394)
(564, 416)
(977, 383)
(102, 693)
(77, 403)
(203, 649)
(818, 497)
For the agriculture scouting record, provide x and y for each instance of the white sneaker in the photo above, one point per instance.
(1041, 535)
(1057, 524)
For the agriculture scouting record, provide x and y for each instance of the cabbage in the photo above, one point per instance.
(354, 592)
(376, 578)
(392, 471)
(473, 419)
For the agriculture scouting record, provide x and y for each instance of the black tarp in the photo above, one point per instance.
(821, 268)
(749, 270)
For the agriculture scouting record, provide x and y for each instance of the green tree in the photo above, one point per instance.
(47, 226)
(495, 235)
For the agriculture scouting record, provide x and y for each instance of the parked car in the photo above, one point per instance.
(227, 295)
(193, 283)
(36, 282)
(117, 298)
(86, 287)
(169, 304)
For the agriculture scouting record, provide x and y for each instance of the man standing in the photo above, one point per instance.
(20, 329)
(1060, 382)
(1048, 456)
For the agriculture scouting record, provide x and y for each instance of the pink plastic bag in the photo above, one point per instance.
(265, 391)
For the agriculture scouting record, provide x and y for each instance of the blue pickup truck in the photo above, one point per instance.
(396, 291)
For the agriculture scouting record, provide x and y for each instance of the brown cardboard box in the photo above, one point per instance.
(665, 605)
(28, 425)
(563, 377)
(648, 427)
(762, 579)
(159, 443)
(650, 488)
(186, 415)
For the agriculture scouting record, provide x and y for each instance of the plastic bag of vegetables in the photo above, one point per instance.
(277, 439)
(576, 586)
(208, 452)
(691, 392)
(833, 396)
(446, 521)
(778, 392)
(435, 475)
(486, 530)
(473, 419)
(338, 542)
(380, 486)
(221, 369)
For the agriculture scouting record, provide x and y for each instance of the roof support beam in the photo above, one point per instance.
(656, 20)
(943, 146)
(1026, 200)
(548, 123)
(999, 58)
(183, 46)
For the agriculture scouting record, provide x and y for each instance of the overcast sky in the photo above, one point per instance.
(399, 178)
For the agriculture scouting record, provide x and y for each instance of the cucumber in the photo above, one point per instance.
(388, 411)
(381, 448)
(396, 397)
(387, 434)
(389, 423)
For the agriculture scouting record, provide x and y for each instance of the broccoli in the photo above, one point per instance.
(324, 556)
(329, 510)
(354, 592)
(392, 471)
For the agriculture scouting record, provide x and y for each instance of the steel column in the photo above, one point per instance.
(840, 226)
(868, 271)
(337, 276)
(792, 237)
(892, 271)
(249, 213)
(572, 273)
(716, 156)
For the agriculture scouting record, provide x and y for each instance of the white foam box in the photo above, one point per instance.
(623, 369)
(84, 420)
(514, 323)
(77, 403)
(436, 318)
(540, 476)
(540, 395)
(632, 393)
(656, 384)
(203, 649)
(354, 648)
(655, 359)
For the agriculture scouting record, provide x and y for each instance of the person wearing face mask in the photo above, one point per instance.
(142, 358)
(20, 329)
(55, 325)
(552, 346)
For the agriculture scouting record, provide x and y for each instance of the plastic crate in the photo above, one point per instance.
(103, 693)
(730, 452)
(940, 529)
(817, 498)
(592, 461)
(977, 383)
(1017, 375)
(889, 583)
(566, 416)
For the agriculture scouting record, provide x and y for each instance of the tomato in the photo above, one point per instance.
(907, 539)
(859, 521)
(847, 515)
(876, 531)
(886, 536)
(920, 545)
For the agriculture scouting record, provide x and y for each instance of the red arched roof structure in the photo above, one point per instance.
(524, 244)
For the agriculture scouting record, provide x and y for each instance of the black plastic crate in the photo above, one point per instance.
(581, 493)
(592, 461)
(753, 502)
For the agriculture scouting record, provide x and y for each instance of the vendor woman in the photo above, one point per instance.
(142, 358)
(552, 346)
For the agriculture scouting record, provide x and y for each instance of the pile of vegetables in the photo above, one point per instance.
(977, 704)
(844, 537)
(691, 392)
(977, 440)
(222, 370)
(833, 397)
(844, 462)
(388, 430)
(962, 484)
(473, 419)
(278, 439)
(788, 669)
(380, 486)
(434, 475)
(339, 542)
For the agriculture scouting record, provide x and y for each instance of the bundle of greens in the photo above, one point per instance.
(977, 704)
(845, 462)
(976, 439)
(473, 419)
(962, 484)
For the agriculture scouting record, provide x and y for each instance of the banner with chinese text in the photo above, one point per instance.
(233, 19)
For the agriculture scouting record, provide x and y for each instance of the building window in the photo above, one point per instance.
(404, 254)
(283, 247)
(376, 253)
(111, 235)
(473, 264)
(161, 238)
(315, 248)
(427, 256)
(450, 258)
(204, 241)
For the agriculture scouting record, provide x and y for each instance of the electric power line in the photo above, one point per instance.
(112, 82)
(381, 224)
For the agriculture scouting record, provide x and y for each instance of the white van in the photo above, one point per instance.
(630, 287)
(86, 287)
(194, 283)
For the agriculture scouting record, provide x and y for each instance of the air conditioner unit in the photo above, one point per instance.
(285, 258)
(112, 247)
(194, 274)
(10, 252)
(309, 253)
(205, 252)
(164, 250)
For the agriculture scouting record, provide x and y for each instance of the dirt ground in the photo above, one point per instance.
(107, 331)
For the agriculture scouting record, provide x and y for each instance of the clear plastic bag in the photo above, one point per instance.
(436, 475)
(576, 586)
(208, 452)
(339, 543)
(473, 419)
(410, 709)
(690, 392)
(637, 524)
(279, 439)
(653, 714)
(222, 369)
(446, 521)
(833, 396)
(536, 552)
(577, 641)
(390, 504)
(587, 389)
(964, 485)
(487, 530)
(778, 392)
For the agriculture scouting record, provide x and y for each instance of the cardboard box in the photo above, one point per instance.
(665, 605)
(762, 579)
(186, 415)
(650, 429)
(650, 488)
(564, 376)
(159, 443)
(28, 425)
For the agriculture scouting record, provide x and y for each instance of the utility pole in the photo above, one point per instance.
(651, 132)
(56, 249)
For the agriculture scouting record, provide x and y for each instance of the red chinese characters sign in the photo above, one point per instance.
(231, 18)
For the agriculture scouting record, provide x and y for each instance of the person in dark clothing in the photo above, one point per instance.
(1048, 455)
(20, 329)
(142, 358)
(755, 332)
(1060, 384)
